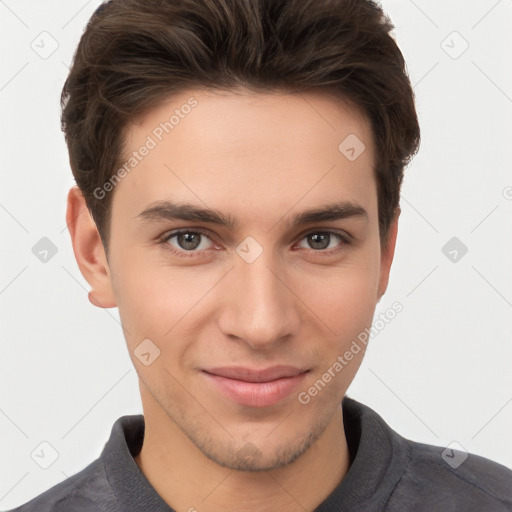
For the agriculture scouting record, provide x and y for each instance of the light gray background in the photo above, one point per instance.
(439, 372)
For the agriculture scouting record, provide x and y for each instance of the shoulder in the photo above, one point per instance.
(86, 491)
(439, 478)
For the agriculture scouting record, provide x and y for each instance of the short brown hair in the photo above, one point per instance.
(136, 53)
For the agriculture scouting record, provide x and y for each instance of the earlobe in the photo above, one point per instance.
(89, 251)
(387, 255)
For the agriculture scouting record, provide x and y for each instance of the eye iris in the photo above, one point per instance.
(319, 240)
(188, 241)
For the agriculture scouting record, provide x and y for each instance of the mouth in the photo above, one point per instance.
(255, 387)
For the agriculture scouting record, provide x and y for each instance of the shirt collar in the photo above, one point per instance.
(379, 458)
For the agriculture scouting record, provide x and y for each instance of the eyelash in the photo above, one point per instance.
(190, 254)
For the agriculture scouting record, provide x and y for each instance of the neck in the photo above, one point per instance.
(188, 481)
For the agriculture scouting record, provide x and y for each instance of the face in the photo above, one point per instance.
(247, 304)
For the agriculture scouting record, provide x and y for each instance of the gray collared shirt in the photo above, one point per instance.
(387, 473)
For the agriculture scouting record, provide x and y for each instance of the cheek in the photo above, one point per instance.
(156, 301)
(352, 306)
(344, 298)
(142, 297)
(345, 303)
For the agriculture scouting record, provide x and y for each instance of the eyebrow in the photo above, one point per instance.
(168, 210)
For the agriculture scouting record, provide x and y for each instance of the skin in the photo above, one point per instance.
(261, 158)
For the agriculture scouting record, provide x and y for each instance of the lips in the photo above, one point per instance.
(253, 375)
(255, 387)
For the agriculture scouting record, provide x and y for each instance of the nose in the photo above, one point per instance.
(259, 306)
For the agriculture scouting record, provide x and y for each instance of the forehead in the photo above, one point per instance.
(248, 150)
(233, 115)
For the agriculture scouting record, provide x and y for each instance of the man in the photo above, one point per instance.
(238, 167)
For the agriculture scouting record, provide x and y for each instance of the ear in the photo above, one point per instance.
(387, 255)
(89, 251)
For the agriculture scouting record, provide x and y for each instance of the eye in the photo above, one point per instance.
(323, 240)
(187, 241)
